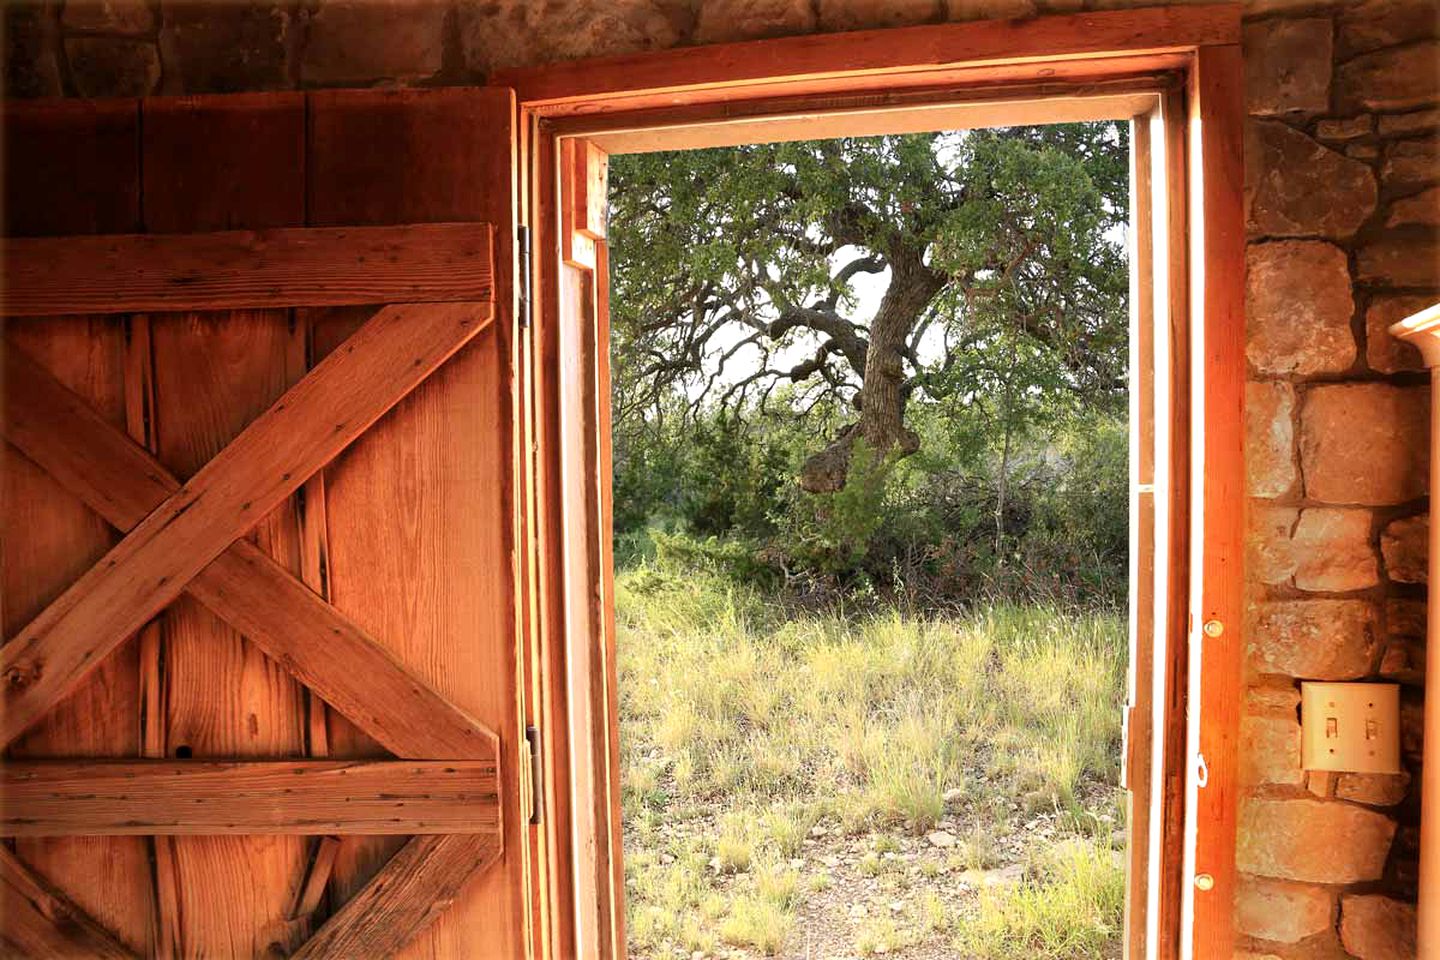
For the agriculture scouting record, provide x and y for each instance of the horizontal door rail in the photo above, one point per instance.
(61, 798)
(239, 269)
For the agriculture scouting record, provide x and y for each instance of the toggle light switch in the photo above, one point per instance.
(1351, 727)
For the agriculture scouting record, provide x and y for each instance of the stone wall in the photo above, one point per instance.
(1343, 206)
(1343, 194)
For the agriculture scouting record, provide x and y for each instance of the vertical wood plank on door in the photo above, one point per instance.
(72, 168)
(214, 373)
(108, 877)
(424, 498)
(220, 163)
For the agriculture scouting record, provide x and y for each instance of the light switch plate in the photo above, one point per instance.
(1350, 727)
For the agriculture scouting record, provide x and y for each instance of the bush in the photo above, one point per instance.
(723, 496)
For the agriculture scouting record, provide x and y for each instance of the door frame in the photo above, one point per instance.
(1190, 295)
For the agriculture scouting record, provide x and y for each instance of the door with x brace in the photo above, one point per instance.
(261, 671)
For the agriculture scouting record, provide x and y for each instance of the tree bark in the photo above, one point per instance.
(881, 403)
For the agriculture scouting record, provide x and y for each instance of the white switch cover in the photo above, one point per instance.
(1351, 727)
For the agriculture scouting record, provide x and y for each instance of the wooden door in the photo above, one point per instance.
(261, 690)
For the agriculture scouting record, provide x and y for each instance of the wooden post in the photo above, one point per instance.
(1423, 330)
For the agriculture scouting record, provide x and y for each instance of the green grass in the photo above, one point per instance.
(1072, 910)
(744, 728)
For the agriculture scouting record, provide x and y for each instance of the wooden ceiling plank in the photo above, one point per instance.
(415, 887)
(317, 418)
(40, 921)
(236, 269)
(123, 482)
(54, 798)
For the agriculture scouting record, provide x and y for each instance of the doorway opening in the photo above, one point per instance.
(869, 420)
(1181, 116)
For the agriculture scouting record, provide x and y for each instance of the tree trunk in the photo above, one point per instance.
(881, 402)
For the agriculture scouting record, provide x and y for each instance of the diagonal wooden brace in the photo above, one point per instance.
(316, 419)
(123, 482)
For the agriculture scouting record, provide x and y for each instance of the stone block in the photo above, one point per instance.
(1349, 128)
(362, 41)
(108, 16)
(1403, 660)
(1422, 209)
(1269, 750)
(1298, 308)
(1319, 639)
(1405, 544)
(1315, 841)
(1365, 443)
(726, 20)
(1403, 258)
(1409, 124)
(1297, 187)
(31, 39)
(837, 15)
(1270, 557)
(223, 48)
(1366, 25)
(1333, 550)
(1281, 912)
(1384, 353)
(1269, 438)
(1410, 163)
(989, 9)
(1376, 927)
(1287, 65)
(107, 67)
(1375, 789)
(508, 33)
(1393, 78)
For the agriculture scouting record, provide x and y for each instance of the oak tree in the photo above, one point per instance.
(865, 272)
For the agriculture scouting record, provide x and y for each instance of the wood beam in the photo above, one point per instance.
(817, 63)
(415, 887)
(311, 423)
(292, 267)
(69, 798)
(42, 922)
(123, 482)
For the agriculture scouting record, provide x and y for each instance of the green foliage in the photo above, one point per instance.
(922, 527)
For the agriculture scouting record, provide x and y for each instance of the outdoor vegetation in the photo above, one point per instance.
(870, 522)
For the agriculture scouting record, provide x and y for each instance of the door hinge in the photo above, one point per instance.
(522, 277)
(533, 772)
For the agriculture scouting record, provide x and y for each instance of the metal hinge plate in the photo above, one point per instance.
(533, 771)
(522, 277)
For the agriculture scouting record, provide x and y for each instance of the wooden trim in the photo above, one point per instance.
(69, 798)
(700, 128)
(1172, 606)
(608, 651)
(291, 267)
(1217, 269)
(672, 77)
(415, 887)
(123, 483)
(314, 420)
(1139, 728)
(40, 921)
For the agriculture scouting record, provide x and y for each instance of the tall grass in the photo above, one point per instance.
(757, 723)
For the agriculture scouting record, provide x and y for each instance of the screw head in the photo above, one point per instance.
(1213, 628)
